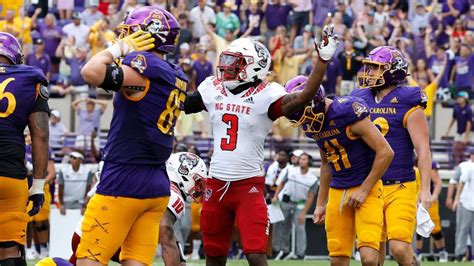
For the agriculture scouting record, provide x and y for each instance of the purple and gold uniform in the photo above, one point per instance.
(23, 91)
(134, 188)
(390, 115)
(351, 160)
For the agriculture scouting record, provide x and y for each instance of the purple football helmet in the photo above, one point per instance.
(311, 118)
(385, 66)
(161, 24)
(10, 48)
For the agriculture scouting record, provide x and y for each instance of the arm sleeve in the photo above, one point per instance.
(41, 105)
(275, 110)
(194, 103)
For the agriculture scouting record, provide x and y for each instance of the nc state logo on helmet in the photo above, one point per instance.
(10, 48)
(385, 66)
(245, 60)
(161, 24)
(188, 171)
(310, 118)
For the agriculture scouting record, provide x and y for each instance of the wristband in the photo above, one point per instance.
(37, 187)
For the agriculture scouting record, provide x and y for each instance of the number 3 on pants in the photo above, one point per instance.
(229, 143)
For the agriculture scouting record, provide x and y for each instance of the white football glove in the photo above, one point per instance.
(137, 41)
(328, 44)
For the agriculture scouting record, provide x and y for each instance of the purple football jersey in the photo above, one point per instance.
(20, 86)
(390, 116)
(141, 132)
(349, 157)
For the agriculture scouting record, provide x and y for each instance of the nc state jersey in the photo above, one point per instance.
(240, 124)
(390, 116)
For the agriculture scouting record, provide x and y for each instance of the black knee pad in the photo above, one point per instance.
(438, 235)
(41, 226)
(13, 262)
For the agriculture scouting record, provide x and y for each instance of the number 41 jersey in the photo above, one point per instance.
(239, 124)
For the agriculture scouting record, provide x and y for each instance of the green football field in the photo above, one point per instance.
(295, 263)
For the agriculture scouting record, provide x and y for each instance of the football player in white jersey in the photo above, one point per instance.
(186, 172)
(242, 107)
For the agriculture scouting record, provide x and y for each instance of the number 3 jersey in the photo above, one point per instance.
(349, 157)
(390, 115)
(141, 131)
(23, 91)
(240, 124)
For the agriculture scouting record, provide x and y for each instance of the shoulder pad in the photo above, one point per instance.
(361, 93)
(412, 96)
(350, 109)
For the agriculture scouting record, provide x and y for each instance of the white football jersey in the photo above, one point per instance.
(239, 124)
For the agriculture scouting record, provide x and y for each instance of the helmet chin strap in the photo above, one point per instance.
(240, 87)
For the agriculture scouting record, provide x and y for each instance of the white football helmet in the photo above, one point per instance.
(188, 171)
(245, 60)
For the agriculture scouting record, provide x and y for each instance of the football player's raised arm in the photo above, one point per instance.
(168, 240)
(383, 152)
(101, 71)
(325, 49)
(417, 127)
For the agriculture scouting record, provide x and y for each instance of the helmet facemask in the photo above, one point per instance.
(194, 192)
(312, 118)
(372, 75)
(231, 69)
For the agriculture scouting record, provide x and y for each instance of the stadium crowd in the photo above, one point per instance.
(437, 37)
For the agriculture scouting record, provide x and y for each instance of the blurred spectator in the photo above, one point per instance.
(51, 34)
(300, 16)
(101, 36)
(184, 130)
(65, 8)
(333, 76)
(380, 16)
(464, 201)
(56, 129)
(276, 14)
(346, 12)
(114, 15)
(74, 182)
(20, 26)
(278, 40)
(469, 20)
(218, 44)
(89, 119)
(283, 133)
(185, 35)
(190, 73)
(273, 172)
(76, 60)
(295, 194)
(462, 74)
(462, 115)
(226, 21)
(77, 29)
(321, 10)
(200, 16)
(202, 67)
(304, 42)
(351, 61)
(421, 18)
(39, 58)
(91, 14)
(287, 64)
(184, 52)
(450, 10)
(178, 8)
(254, 18)
(435, 65)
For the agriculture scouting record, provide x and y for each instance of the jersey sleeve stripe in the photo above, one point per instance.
(408, 113)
